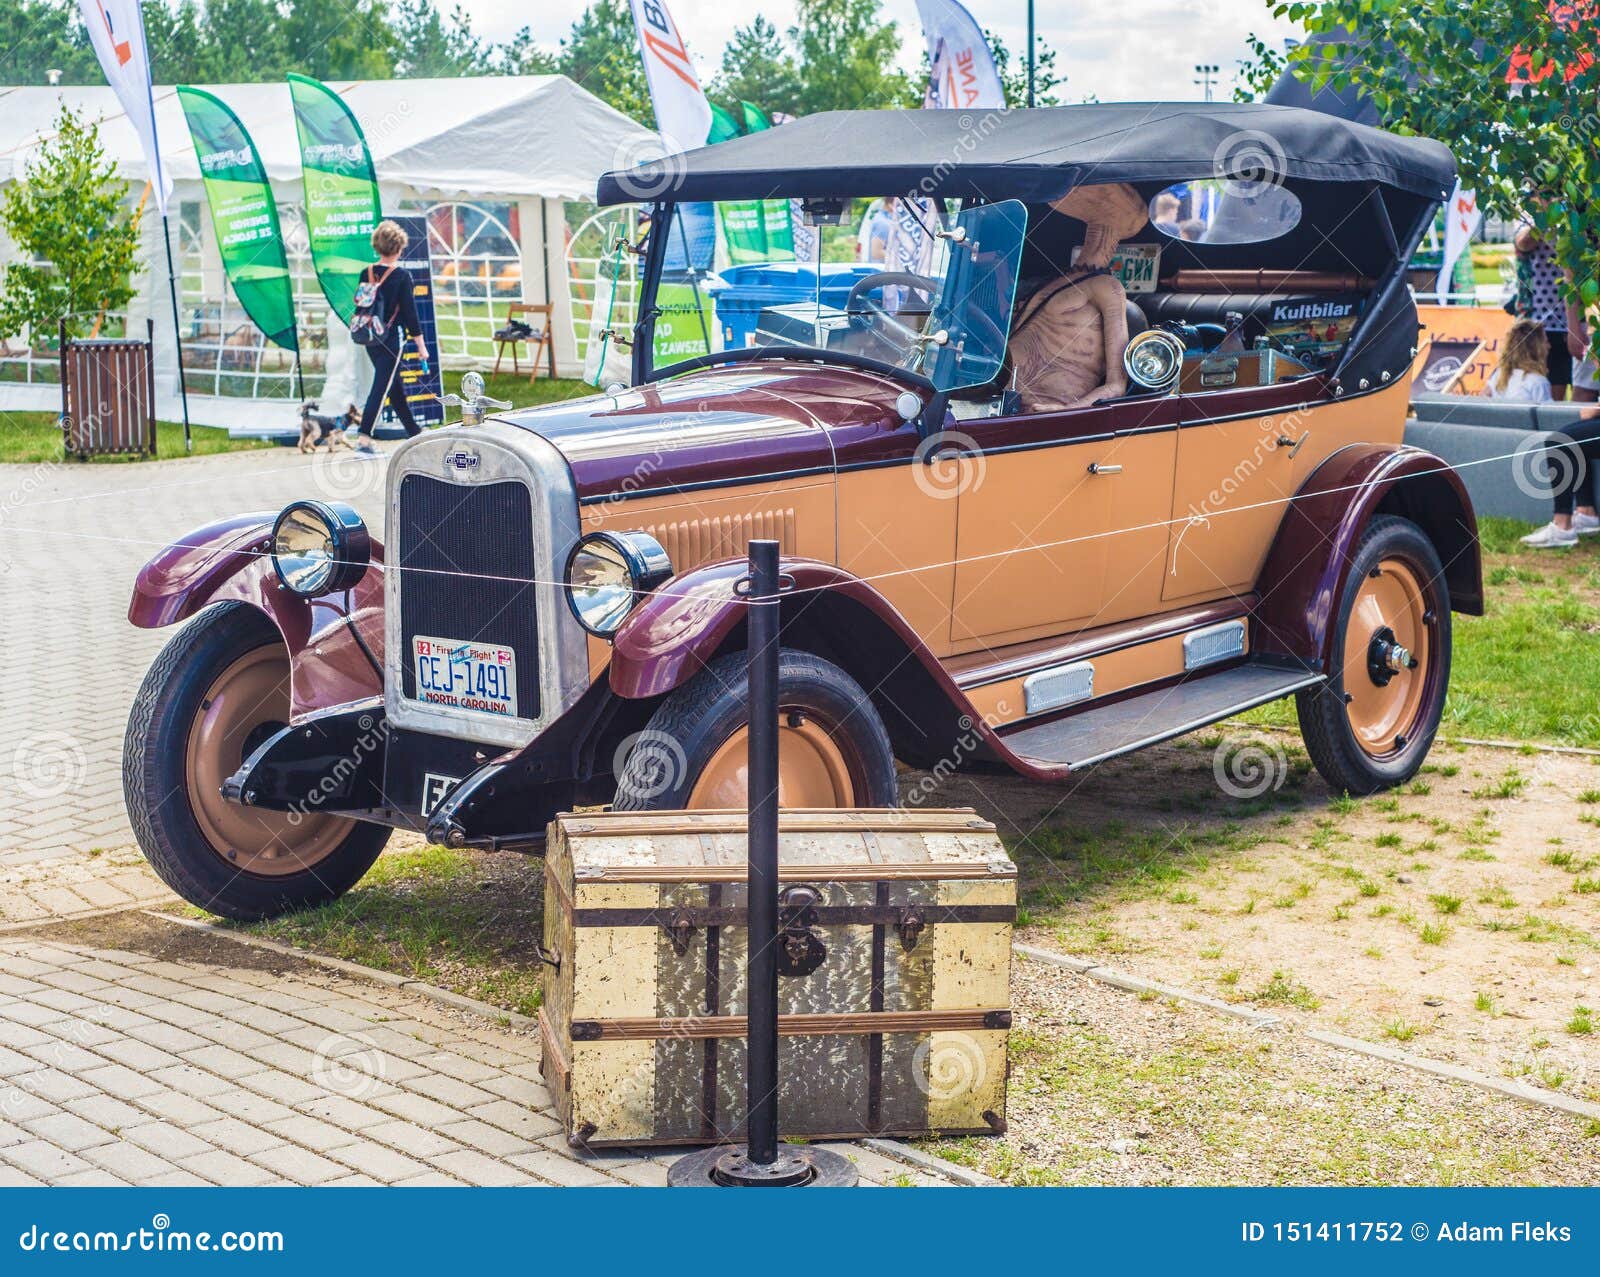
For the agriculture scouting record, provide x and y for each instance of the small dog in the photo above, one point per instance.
(317, 429)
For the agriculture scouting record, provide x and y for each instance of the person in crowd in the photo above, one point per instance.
(1521, 372)
(393, 301)
(1520, 375)
(1164, 213)
(1539, 298)
(879, 227)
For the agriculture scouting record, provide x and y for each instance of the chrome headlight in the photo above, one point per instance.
(320, 547)
(608, 572)
(1153, 359)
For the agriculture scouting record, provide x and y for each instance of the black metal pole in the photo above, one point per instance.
(762, 832)
(762, 1162)
(1030, 53)
(177, 331)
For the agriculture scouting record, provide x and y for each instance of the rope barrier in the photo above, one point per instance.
(1041, 547)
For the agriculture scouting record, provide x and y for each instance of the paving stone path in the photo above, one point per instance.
(124, 1067)
(72, 539)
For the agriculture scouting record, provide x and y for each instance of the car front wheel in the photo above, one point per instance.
(833, 749)
(217, 691)
(1372, 723)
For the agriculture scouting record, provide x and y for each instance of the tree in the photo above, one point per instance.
(846, 55)
(1014, 79)
(77, 243)
(1438, 68)
(434, 44)
(1259, 72)
(602, 54)
(38, 36)
(758, 67)
(523, 55)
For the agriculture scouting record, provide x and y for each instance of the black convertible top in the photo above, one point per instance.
(1037, 155)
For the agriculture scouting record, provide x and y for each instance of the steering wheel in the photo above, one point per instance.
(863, 313)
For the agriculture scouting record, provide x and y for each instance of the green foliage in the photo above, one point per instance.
(758, 67)
(77, 243)
(602, 54)
(434, 44)
(1048, 83)
(1437, 68)
(846, 54)
(1259, 72)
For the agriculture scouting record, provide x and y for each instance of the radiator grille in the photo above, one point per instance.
(691, 542)
(485, 531)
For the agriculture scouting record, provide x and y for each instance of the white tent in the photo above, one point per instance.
(493, 162)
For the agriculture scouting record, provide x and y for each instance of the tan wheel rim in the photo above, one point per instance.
(812, 771)
(251, 693)
(1391, 602)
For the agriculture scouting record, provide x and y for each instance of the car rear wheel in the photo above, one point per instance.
(833, 749)
(217, 691)
(1372, 723)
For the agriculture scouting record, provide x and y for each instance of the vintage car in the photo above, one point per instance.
(1111, 452)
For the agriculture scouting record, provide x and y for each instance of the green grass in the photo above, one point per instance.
(29, 438)
(423, 914)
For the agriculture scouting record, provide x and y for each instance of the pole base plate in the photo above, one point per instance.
(729, 1166)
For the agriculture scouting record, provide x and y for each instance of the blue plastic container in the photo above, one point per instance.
(747, 290)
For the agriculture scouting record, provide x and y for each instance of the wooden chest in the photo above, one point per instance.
(897, 1026)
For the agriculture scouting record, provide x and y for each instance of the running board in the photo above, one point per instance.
(1098, 733)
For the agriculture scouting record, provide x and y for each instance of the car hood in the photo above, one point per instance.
(736, 423)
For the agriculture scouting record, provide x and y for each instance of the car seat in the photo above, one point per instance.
(1068, 337)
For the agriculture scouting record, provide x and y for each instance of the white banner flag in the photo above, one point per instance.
(116, 29)
(1461, 218)
(682, 113)
(964, 74)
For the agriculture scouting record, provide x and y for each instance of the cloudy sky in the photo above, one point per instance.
(1113, 49)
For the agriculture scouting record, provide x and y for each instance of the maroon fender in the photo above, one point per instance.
(228, 560)
(1309, 565)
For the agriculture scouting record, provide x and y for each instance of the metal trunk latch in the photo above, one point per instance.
(800, 949)
(680, 931)
(909, 928)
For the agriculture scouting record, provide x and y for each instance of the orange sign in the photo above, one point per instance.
(1486, 325)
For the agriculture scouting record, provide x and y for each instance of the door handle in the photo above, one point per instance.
(1096, 467)
(1293, 445)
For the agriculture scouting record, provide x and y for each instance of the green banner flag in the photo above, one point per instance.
(243, 215)
(755, 119)
(752, 230)
(342, 206)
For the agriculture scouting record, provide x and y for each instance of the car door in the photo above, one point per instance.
(1060, 519)
(1236, 469)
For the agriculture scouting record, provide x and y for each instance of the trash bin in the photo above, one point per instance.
(743, 292)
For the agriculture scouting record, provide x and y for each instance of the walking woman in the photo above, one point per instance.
(386, 308)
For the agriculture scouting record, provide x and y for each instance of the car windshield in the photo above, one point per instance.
(898, 281)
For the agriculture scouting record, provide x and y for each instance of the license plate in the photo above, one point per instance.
(461, 675)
